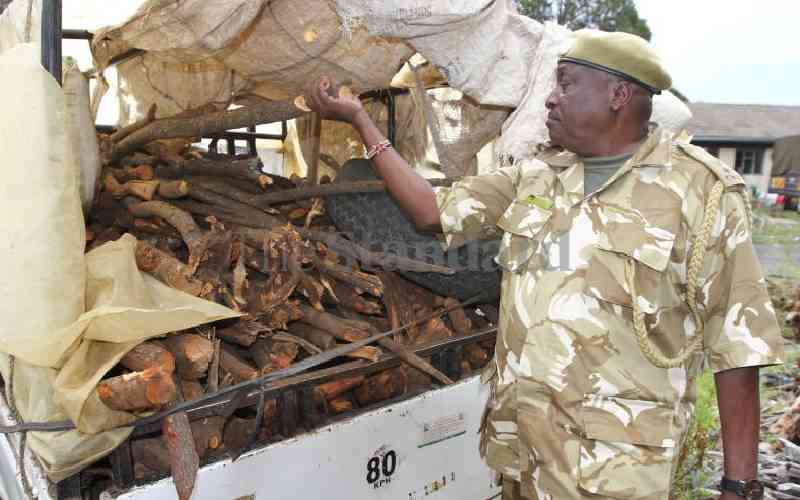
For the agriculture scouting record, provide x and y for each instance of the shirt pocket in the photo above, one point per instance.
(649, 248)
(523, 226)
(628, 448)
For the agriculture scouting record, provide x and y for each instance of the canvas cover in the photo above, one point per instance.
(68, 317)
(189, 54)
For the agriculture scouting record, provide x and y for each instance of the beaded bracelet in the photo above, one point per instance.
(377, 149)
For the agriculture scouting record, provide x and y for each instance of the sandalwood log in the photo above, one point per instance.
(184, 460)
(191, 389)
(385, 385)
(434, 330)
(173, 189)
(152, 454)
(788, 425)
(334, 389)
(278, 317)
(192, 354)
(124, 132)
(371, 354)
(208, 434)
(167, 269)
(134, 173)
(137, 159)
(351, 331)
(230, 362)
(340, 328)
(339, 405)
(458, 318)
(238, 432)
(369, 283)
(149, 355)
(349, 297)
(270, 355)
(148, 389)
(319, 338)
(243, 333)
(301, 342)
(141, 189)
(271, 420)
(196, 239)
(476, 356)
(208, 124)
(154, 228)
(245, 172)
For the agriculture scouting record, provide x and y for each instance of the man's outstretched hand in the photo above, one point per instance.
(331, 101)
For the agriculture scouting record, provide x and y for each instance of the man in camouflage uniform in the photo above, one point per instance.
(613, 296)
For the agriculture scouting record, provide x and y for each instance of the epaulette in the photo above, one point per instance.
(730, 178)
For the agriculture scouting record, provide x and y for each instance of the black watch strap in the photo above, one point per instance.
(750, 490)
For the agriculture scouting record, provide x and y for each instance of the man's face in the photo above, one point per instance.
(579, 107)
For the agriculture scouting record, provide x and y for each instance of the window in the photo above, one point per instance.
(713, 151)
(749, 160)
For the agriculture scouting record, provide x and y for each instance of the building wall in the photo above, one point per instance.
(760, 182)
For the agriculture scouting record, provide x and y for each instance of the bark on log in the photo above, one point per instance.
(134, 173)
(192, 354)
(339, 405)
(173, 189)
(352, 331)
(191, 389)
(208, 124)
(152, 453)
(149, 355)
(184, 460)
(167, 269)
(207, 434)
(476, 356)
(385, 385)
(348, 297)
(243, 332)
(230, 363)
(238, 432)
(136, 391)
(319, 338)
(195, 238)
(369, 283)
(788, 425)
(145, 190)
(458, 318)
(334, 389)
(271, 355)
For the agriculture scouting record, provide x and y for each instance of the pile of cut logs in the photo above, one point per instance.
(218, 228)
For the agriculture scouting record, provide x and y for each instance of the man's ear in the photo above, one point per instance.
(621, 94)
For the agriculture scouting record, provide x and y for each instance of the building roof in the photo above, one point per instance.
(743, 122)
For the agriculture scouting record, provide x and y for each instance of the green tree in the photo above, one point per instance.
(607, 15)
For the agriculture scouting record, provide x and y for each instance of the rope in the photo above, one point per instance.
(23, 441)
(650, 351)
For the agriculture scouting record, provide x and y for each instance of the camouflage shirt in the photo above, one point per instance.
(576, 406)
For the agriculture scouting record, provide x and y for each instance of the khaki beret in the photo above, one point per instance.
(622, 54)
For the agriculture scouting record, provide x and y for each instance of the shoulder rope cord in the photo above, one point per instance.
(649, 350)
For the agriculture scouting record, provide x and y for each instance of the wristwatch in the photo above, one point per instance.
(750, 490)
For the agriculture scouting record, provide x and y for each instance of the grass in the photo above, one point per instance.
(694, 471)
(777, 234)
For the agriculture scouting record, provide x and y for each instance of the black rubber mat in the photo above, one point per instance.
(374, 221)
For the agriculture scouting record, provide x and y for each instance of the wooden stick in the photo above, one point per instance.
(316, 136)
(243, 332)
(149, 355)
(316, 336)
(340, 405)
(349, 298)
(134, 173)
(192, 354)
(369, 283)
(184, 460)
(173, 189)
(352, 331)
(247, 169)
(167, 269)
(191, 389)
(196, 239)
(335, 388)
(238, 368)
(461, 324)
(124, 132)
(141, 189)
(208, 124)
(385, 385)
(149, 389)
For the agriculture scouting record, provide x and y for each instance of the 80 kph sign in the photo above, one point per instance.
(381, 467)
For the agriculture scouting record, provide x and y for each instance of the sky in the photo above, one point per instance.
(731, 51)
